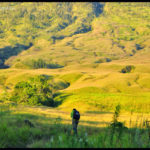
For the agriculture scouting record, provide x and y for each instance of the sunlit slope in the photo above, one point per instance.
(106, 76)
(94, 87)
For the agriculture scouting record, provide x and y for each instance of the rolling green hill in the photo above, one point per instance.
(86, 47)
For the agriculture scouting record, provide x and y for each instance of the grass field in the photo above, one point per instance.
(93, 130)
(99, 87)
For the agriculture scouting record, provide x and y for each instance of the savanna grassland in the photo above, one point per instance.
(94, 57)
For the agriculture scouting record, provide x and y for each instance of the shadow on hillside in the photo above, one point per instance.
(95, 122)
(40, 121)
(37, 119)
(99, 112)
(45, 126)
(59, 98)
(9, 51)
(98, 8)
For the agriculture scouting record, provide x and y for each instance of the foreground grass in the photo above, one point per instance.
(51, 132)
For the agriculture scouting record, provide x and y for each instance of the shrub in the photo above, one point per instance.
(115, 123)
(103, 60)
(36, 91)
(127, 69)
(40, 63)
(139, 47)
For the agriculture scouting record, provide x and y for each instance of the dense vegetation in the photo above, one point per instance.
(35, 92)
(32, 21)
(113, 30)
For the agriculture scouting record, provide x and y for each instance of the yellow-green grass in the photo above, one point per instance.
(52, 125)
(95, 86)
(103, 76)
(99, 101)
(48, 115)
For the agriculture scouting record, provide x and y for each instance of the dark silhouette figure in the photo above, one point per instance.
(75, 115)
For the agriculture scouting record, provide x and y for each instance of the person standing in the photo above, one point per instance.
(75, 115)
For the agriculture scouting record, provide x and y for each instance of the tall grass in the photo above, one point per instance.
(15, 134)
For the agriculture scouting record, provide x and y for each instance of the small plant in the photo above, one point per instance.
(115, 122)
(116, 126)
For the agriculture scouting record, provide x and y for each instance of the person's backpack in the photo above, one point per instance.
(76, 115)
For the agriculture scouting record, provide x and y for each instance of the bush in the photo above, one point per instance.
(117, 126)
(36, 91)
(103, 60)
(115, 123)
(139, 47)
(127, 69)
(40, 63)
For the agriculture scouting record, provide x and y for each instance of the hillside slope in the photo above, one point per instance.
(84, 47)
(78, 32)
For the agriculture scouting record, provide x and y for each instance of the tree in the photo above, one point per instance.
(36, 91)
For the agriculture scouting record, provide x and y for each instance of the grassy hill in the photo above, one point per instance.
(88, 51)
(91, 56)
(52, 31)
